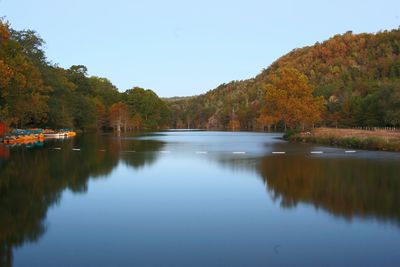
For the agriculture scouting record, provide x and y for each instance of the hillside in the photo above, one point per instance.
(357, 74)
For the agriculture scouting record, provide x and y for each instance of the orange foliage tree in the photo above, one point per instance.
(266, 120)
(119, 116)
(290, 99)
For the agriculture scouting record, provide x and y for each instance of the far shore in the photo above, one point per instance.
(375, 139)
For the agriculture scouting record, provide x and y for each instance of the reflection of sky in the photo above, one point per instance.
(253, 144)
(183, 211)
(216, 142)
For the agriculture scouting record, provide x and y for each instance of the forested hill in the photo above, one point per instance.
(357, 74)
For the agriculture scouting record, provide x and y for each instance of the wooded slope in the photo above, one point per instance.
(357, 74)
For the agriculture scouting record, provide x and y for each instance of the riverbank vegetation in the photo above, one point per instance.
(375, 139)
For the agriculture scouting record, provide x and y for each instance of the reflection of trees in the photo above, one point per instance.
(144, 152)
(32, 181)
(343, 186)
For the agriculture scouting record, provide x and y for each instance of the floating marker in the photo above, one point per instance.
(102, 150)
(278, 152)
(201, 152)
(350, 151)
(317, 152)
(76, 149)
(239, 152)
(57, 148)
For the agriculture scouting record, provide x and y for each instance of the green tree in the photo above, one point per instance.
(148, 105)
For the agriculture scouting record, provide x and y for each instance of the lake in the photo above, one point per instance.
(197, 198)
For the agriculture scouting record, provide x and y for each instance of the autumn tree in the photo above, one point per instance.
(5, 70)
(267, 120)
(23, 96)
(234, 124)
(119, 116)
(290, 98)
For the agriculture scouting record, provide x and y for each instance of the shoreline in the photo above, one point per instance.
(378, 140)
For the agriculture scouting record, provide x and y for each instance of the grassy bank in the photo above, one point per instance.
(384, 140)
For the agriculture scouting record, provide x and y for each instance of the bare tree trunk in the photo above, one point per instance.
(118, 126)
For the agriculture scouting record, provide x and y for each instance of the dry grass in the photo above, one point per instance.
(386, 140)
(349, 133)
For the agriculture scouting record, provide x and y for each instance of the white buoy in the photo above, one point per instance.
(76, 149)
(57, 148)
(201, 152)
(278, 152)
(239, 152)
(317, 152)
(350, 151)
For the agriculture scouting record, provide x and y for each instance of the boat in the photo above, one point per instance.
(54, 135)
(15, 139)
(71, 133)
(23, 136)
(68, 132)
(33, 135)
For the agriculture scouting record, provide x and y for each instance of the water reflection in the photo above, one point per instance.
(363, 185)
(345, 187)
(32, 180)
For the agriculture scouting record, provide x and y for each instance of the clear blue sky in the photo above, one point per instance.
(188, 47)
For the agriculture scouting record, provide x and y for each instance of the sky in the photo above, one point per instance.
(182, 48)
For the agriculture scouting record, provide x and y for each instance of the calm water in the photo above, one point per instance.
(194, 199)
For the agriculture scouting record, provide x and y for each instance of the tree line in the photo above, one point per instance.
(37, 93)
(350, 80)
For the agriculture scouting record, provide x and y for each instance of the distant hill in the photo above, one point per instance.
(357, 74)
(177, 98)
